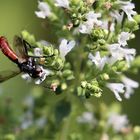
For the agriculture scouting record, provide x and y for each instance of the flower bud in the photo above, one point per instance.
(98, 33)
(48, 50)
(98, 94)
(104, 76)
(137, 129)
(59, 64)
(28, 37)
(67, 72)
(136, 62)
(101, 41)
(9, 137)
(84, 84)
(90, 2)
(122, 66)
(56, 52)
(76, 22)
(64, 86)
(132, 36)
(137, 18)
(73, 16)
(131, 25)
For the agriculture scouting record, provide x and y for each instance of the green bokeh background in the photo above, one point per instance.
(17, 15)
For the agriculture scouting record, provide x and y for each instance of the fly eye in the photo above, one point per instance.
(38, 70)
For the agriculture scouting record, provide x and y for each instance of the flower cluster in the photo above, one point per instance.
(86, 52)
(104, 28)
(107, 120)
(50, 60)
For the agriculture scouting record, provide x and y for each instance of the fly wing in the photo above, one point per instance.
(5, 75)
(20, 47)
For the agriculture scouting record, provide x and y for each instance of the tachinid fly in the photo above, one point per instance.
(25, 63)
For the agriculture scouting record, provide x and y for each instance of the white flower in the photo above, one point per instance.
(116, 88)
(111, 60)
(128, 7)
(119, 53)
(86, 117)
(104, 136)
(27, 120)
(62, 3)
(86, 27)
(112, 27)
(117, 122)
(38, 52)
(26, 77)
(116, 51)
(42, 76)
(41, 122)
(92, 20)
(129, 55)
(123, 37)
(65, 47)
(29, 102)
(26, 124)
(44, 10)
(108, 26)
(129, 86)
(97, 60)
(44, 43)
(118, 16)
(91, 16)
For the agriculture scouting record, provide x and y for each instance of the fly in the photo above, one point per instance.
(24, 62)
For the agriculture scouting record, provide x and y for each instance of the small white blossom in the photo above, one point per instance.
(117, 122)
(42, 76)
(108, 26)
(26, 124)
(117, 16)
(104, 136)
(97, 60)
(27, 120)
(44, 10)
(44, 43)
(91, 16)
(129, 55)
(26, 77)
(123, 37)
(62, 3)
(92, 20)
(41, 122)
(86, 117)
(86, 27)
(128, 7)
(105, 24)
(129, 86)
(65, 47)
(119, 53)
(112, 27)
(29, 102)
(116, 88)
(111, 60)
(38, 52)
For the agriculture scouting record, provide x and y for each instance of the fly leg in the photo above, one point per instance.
(26, 46)
(44, 56)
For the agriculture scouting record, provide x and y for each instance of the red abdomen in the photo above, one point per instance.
(5, 48)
